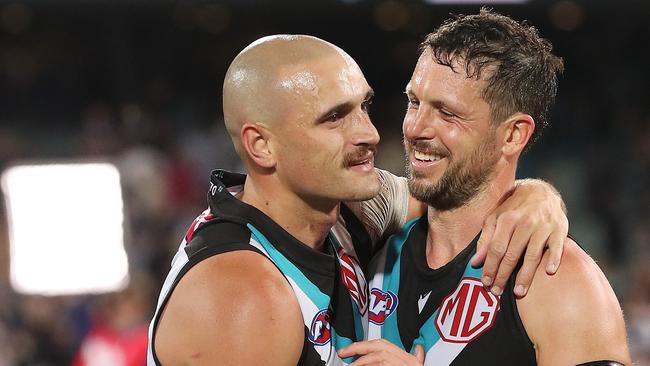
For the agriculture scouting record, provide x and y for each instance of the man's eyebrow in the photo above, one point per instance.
(343, 108)
(409, 92)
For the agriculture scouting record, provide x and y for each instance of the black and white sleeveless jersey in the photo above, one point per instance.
(330, 286)
(446, 310)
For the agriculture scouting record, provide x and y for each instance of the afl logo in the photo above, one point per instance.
(319, 332)
(353, 278)
(382, 305)
(467, 313)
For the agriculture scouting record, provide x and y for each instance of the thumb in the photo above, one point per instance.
(419, 353)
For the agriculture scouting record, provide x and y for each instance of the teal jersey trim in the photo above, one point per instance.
(319, 299)
(429, 335)
(340, 342)
(390, 329)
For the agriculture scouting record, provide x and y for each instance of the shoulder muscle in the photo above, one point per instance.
(574, 316)
(218, 310)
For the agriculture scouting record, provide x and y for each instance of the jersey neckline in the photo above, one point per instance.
(223, 203)
(416, 247)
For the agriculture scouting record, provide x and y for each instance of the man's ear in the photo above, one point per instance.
(517, 131)
(255, 141)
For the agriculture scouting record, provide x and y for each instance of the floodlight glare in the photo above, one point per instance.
(65, 228)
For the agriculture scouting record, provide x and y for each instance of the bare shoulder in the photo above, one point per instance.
(574, 315)
(221, 309)
(568, 284)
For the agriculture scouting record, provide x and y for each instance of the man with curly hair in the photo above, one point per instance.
(479, 96)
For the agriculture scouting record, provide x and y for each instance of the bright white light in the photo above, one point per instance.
(65, 228)
(485, 2)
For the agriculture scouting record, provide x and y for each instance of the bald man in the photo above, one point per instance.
(273, 271)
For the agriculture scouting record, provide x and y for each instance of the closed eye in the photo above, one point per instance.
(446, 113)
(413, 102)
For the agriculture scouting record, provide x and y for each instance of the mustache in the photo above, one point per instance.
(358, 154)
(426, 147)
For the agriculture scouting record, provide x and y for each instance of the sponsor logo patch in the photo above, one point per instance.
(466, 313)
(319, 332)
(382, 305)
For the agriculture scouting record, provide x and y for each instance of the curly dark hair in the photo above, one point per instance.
(517, 64)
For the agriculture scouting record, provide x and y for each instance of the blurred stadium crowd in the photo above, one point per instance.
(137, 83)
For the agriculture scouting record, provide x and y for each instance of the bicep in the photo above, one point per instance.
(574, 316)
(238, 319)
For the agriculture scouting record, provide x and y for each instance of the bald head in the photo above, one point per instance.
(269, 75)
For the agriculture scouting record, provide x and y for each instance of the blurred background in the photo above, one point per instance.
(137, 83)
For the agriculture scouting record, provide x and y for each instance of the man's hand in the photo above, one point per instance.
(531, 218)
(382, 352)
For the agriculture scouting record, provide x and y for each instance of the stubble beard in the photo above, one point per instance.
(462, 181)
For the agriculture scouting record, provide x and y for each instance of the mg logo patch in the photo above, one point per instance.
(382, 305)
(319, 332)
(467, 312)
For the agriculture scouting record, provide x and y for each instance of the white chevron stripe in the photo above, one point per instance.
(179, 260)
(309, 311)
(443, 353)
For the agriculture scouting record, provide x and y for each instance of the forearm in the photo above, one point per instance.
(546, 185)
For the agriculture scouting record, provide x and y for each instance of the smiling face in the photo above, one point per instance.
(450, 143)
(325, 144)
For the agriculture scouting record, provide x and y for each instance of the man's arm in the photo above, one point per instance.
(574, 317)
(386, 213)
(220, 310)
(530, 219)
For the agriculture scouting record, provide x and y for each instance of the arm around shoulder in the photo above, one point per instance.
(235, 308)
(573, 316)
(389, 210)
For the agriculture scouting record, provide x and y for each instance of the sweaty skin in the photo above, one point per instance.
(571, 317)
(274, 72)
(296, 108)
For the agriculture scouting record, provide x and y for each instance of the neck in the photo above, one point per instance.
(307, 222)
(451, 231)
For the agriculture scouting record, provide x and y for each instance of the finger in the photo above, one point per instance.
(486, 236)
(377, 358)
(362, 348)
(354, 349)
(367, 360)
(497, 247)
(419, 353)
(532, 258)
(516, 247)
(556, 247)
